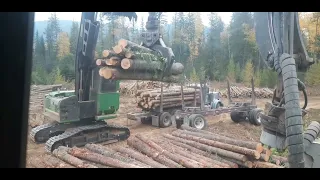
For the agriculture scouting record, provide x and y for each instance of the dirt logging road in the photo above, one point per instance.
(223, 144)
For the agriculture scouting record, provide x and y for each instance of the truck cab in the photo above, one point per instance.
(213, 100)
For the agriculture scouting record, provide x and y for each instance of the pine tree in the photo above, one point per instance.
(63, 43)
(248, 73)
(193, 76)
(74, 33)
(313, 76)
(231, 70)
(52, 31)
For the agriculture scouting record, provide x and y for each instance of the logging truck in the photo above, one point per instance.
(203, 103)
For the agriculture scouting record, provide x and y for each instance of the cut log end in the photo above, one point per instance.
(123, 43)
(107, 73)
(259, 148)
(125, 63)
(257, 155)
(117, 49)
(248, 164)
(98, 62)
(105, 53)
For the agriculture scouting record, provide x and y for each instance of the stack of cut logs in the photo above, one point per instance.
(37, 93)
(131, 87)
(150, 98)
(186, 148)
(243, 92)
(130, 61)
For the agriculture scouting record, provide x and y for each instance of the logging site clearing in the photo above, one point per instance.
(222, 144)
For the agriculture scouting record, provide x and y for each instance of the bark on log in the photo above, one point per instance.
(247, 164)
(157, 95)
(229, 147)
(143, 158)
(113, 61)
(215, 158)
(145, 149)
(208, 135)
(112, 73)
(55, 162)
(98, 158)
(170, 105)
(133, 46)
(129, 55)
(147, 93)
(150, 65)
(100, 62)
(108, 53)
(47, 161)
(62, 153)
(198, 158)
(213, 150)
(266, 151)
(175, 157)
(259, 164)
(172, 100)
(112, 154)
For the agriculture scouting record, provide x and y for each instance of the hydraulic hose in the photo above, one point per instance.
(293, 113)
(302, 88)
(305, 99)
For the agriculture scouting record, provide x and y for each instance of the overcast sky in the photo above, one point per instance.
(41, 16)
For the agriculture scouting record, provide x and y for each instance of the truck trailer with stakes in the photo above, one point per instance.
(209, 103)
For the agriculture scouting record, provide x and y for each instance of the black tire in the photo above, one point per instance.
(146, 120)
(311, 133)
(293, 114)
(236, 117)
(254, 116)
(198, 121)
(165, 120)
(174, 112)
(218, 106)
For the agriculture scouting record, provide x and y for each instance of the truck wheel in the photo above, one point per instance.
(146, 120)
(254, 116)
(165, 120)
(198, 121)
(218, 106)
(176, 111)
(236, 116)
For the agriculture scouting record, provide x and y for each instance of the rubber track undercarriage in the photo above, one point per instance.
(57, 135)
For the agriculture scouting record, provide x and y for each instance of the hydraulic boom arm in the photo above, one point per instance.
(89, 30)
(281, 46)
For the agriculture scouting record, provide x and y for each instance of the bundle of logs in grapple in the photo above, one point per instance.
(130, 61)
(172, 97)
(183, 148)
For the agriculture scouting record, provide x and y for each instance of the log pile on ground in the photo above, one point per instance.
(183, 148)
(130, 61)
(148, 99)
(37, 93)
(245, 92)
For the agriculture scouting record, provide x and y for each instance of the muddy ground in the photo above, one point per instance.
(219, 124)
